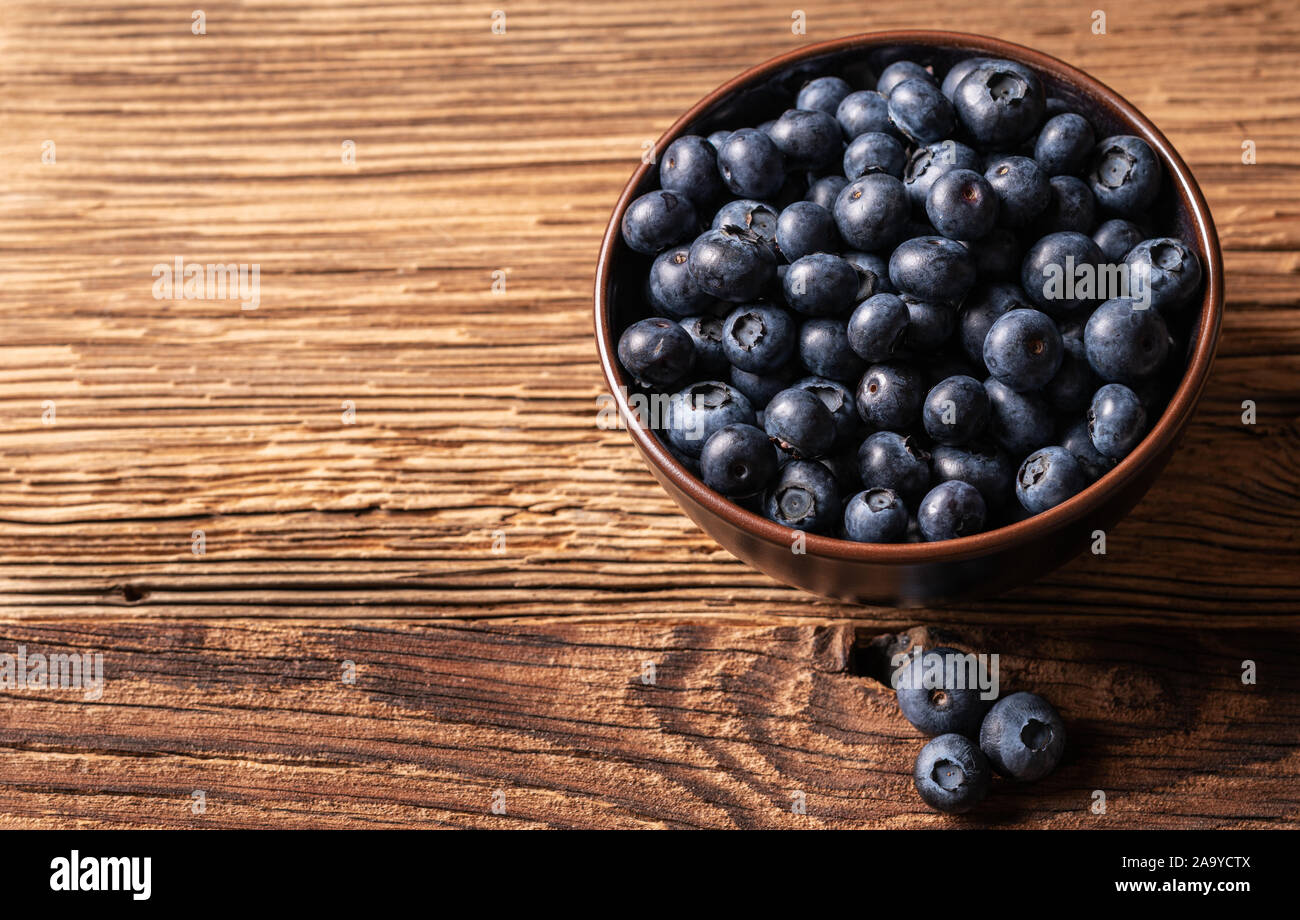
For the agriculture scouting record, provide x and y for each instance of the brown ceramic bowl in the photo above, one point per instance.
(952, 570)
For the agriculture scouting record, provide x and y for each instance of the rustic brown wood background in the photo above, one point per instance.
(519, 674)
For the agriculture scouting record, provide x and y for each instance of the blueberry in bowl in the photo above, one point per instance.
(943, 311)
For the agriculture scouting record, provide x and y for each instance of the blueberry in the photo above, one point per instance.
(689, 167)
(823, 94)
(929, 325)
(982, 465)
(845, 471)
(887, 460)
(760, 388)
(731, 264)
(874, 153)
(1116, 421)
(870, 211)
(1023, 190)
(825, 190)
(807, 138)
(1023, 349)
(997, 255)
(702, 408)
(759, 337)
(1125, 175)
(950, 510)
(955, 410)
(1072, 387)
(671, 288)
(877, 327)
(1049, 476)
(1063, 145)
(718, 138)
(933, 693)
(805, 228)
(980, 310)
(1170, 270)
(863, 112)
(1078, 442)
(921, 111)
(951, 774)
(962, 205)
(757, 217)
(873, 273)
(932, 268)
(824, 350)
(875, 516)
(1124, 341)
(706, 333)
(1116, 238)
(1020, 422)
(821, 285)
(898, 72)
(1051, 271)
(839, 401)
(930, 162)
(738, 460)
(958, 72)
(750, 163)
(1000, 103)
(656, 351)
(804, 497)
(1023, 737)
(1071, 207)
(889, 396)
(656, 220)
(799, 422)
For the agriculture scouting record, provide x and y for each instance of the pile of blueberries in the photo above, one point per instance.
(856, 321)
(1021, 736)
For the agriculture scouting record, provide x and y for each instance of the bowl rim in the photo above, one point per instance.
(1171, 423)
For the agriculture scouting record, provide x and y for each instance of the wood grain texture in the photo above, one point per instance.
(475, 413)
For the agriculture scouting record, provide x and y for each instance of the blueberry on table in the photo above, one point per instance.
(1116, 421)
(982, 465)
(823, 94)
(887, 460)
(804, 497)
(657, 220)
(950, 510)
(805, 228)
(738, 460)
(706, 332)
(870, 212)
(1048, 477)
(1125, 175)
(731, 264)
(932, 268)
(951, 774)
(1023, 737)
(1020, 422)
(1052, 267)
(938, 695)
(955, 410)
(1169, 268)
(900, 71)
(689, 167)
(874, 152)
(1116, 238)
(1064, 144)
(929, 325)
(864, 112)
(877, 327)
(750, 163)
(1125, 342)
(875, 516)
(1000, 103)
(821, 284)
(759, 337)
(1078, 442)
(825, 190)
(1023, 190)
(890, 395)
(824, 350)
(980, 310)
(702, 408)
(1023, 349)
(799, 422)
(656, 351)
(962, 205)
(1070, 207)
(930, 162)
(807, 139)
(919, 110)
(838, 399)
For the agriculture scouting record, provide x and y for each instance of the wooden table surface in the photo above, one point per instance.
(431, 591)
